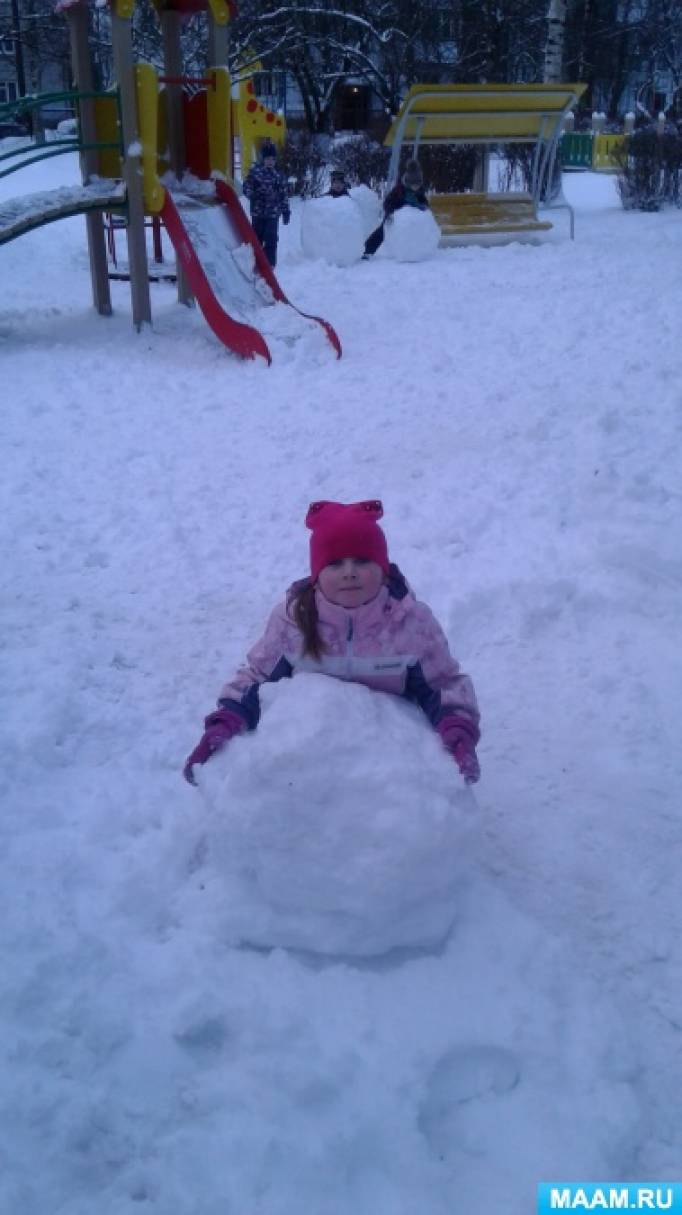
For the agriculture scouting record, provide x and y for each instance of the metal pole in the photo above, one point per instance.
(121, 43)
(172, 66)
(81, 63)
(218, 42)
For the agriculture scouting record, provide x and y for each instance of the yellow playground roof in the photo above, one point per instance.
(482, 113)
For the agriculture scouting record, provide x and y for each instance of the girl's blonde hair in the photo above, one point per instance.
(302, 608)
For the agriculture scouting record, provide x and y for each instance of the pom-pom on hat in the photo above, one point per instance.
(412, 177)
(341, 530)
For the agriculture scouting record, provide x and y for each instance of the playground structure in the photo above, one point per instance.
(487, 115)
(150, 128)
(253, 122)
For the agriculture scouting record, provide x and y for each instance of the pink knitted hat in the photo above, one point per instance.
(342, 530)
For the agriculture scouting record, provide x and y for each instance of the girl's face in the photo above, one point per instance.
(350, 582)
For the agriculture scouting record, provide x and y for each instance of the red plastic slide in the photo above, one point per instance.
(227, 196)
(243, 339)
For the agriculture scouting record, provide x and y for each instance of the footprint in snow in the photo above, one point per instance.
(462, 1075)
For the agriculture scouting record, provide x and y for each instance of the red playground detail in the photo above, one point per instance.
(244, 339)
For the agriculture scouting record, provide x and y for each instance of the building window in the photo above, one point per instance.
(352, 107)
(270, 89)
(8, 91)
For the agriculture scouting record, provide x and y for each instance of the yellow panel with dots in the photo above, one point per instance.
(256, 123)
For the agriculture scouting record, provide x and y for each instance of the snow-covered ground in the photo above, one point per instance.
(518, 411)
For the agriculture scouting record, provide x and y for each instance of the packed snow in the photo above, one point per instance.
(332, 229)
(25, 210)
(410, 235)
(351, 869)
(370, 207)
(231, 271)
(170, 1042)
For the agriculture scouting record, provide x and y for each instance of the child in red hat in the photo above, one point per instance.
(354, 618)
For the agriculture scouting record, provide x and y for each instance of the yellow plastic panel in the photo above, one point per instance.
(603, 147)
(123, 8)
(487, 112)
(256, 123)
(109, 163)
(220, 11)
(148, 125)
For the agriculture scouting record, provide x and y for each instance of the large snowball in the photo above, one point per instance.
(370, 207)
(332, 229)
(411, 236)
(341, 825)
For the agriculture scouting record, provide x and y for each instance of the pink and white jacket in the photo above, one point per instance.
(392, 644)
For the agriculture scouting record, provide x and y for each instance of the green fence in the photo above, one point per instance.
(575, 150)
(590, 150)
(34, 151)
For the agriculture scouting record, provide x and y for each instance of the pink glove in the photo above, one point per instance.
(460, 737)
(219, 728)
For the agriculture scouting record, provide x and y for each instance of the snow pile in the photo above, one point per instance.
(244, 258)
(342, 820)
(153, 508)
(239, 287)
(332, 229)
(370, 207)
(411, 236)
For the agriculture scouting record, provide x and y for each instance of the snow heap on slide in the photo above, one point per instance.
(332, 229)
(410, 236)
(340, 826)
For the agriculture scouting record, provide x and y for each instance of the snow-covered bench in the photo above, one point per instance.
(474, 214)
(486, 117)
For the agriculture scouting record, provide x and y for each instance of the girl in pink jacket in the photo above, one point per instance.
(354, 618)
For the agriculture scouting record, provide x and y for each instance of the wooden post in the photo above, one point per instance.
(218, 42)
(172, 63)
(81, 64)
(172, 66)
(121, 43)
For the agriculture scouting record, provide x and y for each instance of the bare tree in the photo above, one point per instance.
(658, 38)
(34, 36)
(322, 43)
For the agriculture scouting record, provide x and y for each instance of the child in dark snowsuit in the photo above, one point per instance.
(337, 185)
(406, 193)
(266, 189)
